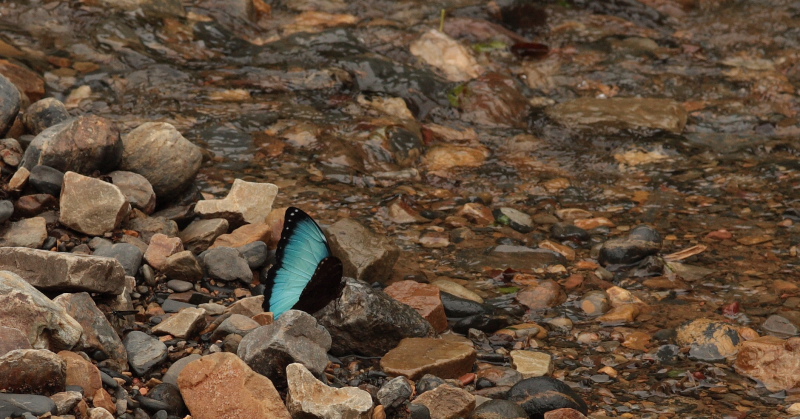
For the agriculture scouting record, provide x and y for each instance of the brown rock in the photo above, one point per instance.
(532, 363)
(495, 100)
(566, 251)
(774, 361)
(91, 206)
(592, 223)
(27, 232)
(98, 413)
(477, 213)
(249, 306)
(200, 234)
(265, 318)
(136, 189)
(183, 266)
(415, 357)
(103, 400)
(37, 371)
(565, 413)
(161, 247)
(545, 294)
(365, 255)
(222, 386)
(424, 298)
(244, 235)
(447, 156)
(81, 372)
(12, 339)
(82, 145)
(447, 402)
(621, 314)
(19, 180)
(33, 205)
(663, 114)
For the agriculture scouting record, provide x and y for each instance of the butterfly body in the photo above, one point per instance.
(305, 276)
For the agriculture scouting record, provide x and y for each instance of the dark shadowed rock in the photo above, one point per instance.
(32, 371)
(183, 266)
(13, 405)
(9, 104)
(83, 145)
(458, 307)
(157, 151)
(43, 114)
(294, 337)
(91, 206)
(641, 242)
(46, 180)
(538, 395)
(395, 392)
(171, 396)
(369, 322)
(64, 271)
(150, 226)
(499, 409)
(44, 323)
(364, 254)
(98, 334)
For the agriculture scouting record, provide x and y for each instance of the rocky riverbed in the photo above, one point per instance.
(554, 209)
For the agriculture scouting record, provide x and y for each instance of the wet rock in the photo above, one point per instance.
(43, 114)
(642, 241)
(65, 401)
(128, 255)
(771, 360)
(44, 323)
(495, 100)
(440, 51)
(415, 357)
(538, 395)
(227, 264)
(82, 145)
(222, 386)
(9, 104)
(13, 405)
(447, 402)
(29, 232)
(364, 254)
(457, 289)
(255, 254)
(183, 324)
(621, 314)
(183, 266)
(200, 234)
(779, 326)
(369, 322)
(564, 413)
(395, 392)
(144, 352)
(90, 205)
(448, 156)
(483, 322)
(532, 363)
(136, 188)
(458, 307)
(514, 257)
(545, 294)
(171, 376)
(294, 337)
(709, 340)
(624, 113)
(422, 297)
(32, 371)
(46, 180)
(98, 334)
(499, 409)
(6, 210)
(500, 376)
(235, 324)
(244, 235)
(248, 202)
(562, 232)
(81, 372)
(595, 303)
(170, 395)
(54, 271)
(160, 248)
(308, 397)
(513, 218)
(157, 151)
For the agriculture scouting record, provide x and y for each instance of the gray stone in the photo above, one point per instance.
(66, 401)
(179, 286)
(395, 392)
(6, 210)
(157, 151)
(309, 397)
(780, 326)
(136, 188)
(199, 235)
(183, 266)
(98, 334)
(495, 409)
(54, 271)
(294, 337)
(175, 369)
(369, 322)
(173, 306)
(13, 405)
(44, 323)
(182, 325)
(364, 254)
(144, 352)
(28, 232)
(43, 114)
(227, 264)
(9, 104)
(147, 227)
(83, 145)
(234, 324)
(128, 255)
(255, 254)
(91, 206)
(623, 113)
(32, 371)
(247, 202)
(46, 180)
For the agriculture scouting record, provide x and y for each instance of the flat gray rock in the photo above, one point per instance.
(144, 352)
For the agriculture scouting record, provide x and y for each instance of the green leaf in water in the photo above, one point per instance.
(454, 95)
(676, 373)
(508, 290)
(489, 46)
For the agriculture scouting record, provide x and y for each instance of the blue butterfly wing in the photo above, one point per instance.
(300, 251)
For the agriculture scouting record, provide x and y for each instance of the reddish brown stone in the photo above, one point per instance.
(12, 339)
(103, 400)
(545, 294)
(81, 372)
(243, 235)
(415, 357)
(35, 371)
(774, 361)
(33, 205)
(565, 413)
(424, 298)
(161, 247)
(26, 80)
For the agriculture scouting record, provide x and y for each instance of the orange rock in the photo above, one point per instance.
(103, 400)
(161, 247)
(222, 386)
(546, 294)
(415, 357)
(566, 251)
(81, 372)
(477, 213)
(26, 80)
(720, 235)
(243, 235)
(592, 223)
(424, 298)
(264, 318)
(774, 361)
(621, 314)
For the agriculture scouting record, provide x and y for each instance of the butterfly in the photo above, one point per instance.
(305, 275)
